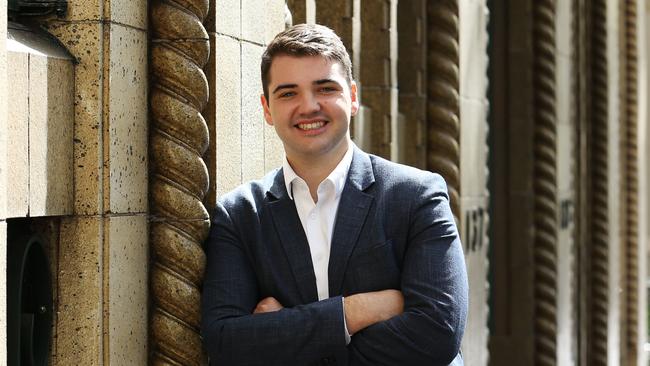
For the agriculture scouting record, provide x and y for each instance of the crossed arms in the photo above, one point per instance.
(241, 327)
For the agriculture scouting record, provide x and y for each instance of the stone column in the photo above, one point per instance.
(378, 76)
(412, 73)
(443, 101)
(630, 186)
(179, 179)
(598, 190)
(545, 184)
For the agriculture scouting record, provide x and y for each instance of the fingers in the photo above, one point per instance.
(267, 305)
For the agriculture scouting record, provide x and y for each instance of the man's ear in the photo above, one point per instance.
(267, 112)
(354, 97)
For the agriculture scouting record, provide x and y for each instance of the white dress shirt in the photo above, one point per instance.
(318, 218)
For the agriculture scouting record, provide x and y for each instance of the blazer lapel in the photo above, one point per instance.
(293, 239)
(352, 212)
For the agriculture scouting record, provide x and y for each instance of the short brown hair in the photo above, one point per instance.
(305, 40)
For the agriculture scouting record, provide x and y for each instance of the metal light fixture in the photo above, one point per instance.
(38, 7)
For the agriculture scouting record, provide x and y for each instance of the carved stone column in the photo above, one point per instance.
(599, 223)
(178, 179)
(631, 186)
(545, 183)
(443, 102)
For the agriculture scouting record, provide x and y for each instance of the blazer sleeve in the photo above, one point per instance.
(435, 288)
(232, 335)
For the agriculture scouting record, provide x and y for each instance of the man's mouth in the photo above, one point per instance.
(311, 126)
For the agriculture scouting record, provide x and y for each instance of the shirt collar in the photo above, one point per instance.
(337, 176)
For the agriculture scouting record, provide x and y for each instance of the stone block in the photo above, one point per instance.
(3, 141)
(228, 110)
(79, 314)
(564, 28)
(413, 142)
(274, 19)
(375, 31)
(125, 185)
(473, 148)
(337, 14)
(273, 149)
(252, 119)
(18, 135)
(565, 157)
(51, 118)
(563, 90)
(253, 13)
(85, 10)
(379, 100)
(128, 12)
(127, 245)
(473, 58)
(84, 41)
(298, 10)
(224, 18)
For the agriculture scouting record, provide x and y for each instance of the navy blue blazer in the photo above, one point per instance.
(393, 230)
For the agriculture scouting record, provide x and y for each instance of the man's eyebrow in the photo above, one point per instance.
(284, 86)
(325, 81)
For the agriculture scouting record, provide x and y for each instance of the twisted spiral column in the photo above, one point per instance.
(443, 152)
(178, 179)
(599, 191)
(545, 186)
(631, 183)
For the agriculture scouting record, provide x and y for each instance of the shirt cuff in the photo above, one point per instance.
(348, 337)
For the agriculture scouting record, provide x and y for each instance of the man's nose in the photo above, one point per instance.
(309, 104)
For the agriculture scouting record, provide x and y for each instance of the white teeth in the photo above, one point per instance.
(311, 126)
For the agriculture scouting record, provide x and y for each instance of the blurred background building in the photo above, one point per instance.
(122, 121)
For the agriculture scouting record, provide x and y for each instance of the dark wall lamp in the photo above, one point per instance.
(22, 8)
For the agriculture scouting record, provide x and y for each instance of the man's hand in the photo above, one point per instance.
(365, 309)
(267, 305)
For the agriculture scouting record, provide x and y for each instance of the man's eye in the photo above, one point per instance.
(327, 89)
(287, 94)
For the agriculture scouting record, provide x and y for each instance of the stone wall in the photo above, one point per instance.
(474, 173)
(244, 147)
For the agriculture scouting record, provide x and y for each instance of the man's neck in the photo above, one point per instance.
(313, 170)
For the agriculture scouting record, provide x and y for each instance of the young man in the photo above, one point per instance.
(340, 257)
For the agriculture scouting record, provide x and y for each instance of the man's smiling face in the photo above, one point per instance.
(310, 105)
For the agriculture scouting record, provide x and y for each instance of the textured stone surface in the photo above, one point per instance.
(228, 135)
(127, 246)
(473, 19)
(273, 19)
(224, 17)
(474, 199)
(3, 149)
(336, 14)
(129, 12)
(473, 151)
(253, 13)
(18, 136)
(79, 315)
(126, 181)
(85, 10)
(51, 117)
(83, 40)
(252, 119)
(298, 10)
